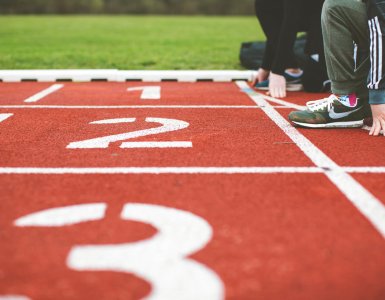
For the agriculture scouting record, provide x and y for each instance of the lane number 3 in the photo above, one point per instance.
(162, 259)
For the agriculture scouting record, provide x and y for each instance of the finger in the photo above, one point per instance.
(373, 128)
(280, 93)
(382, 126)
(371, 132)
(272, 92)
(377, 127)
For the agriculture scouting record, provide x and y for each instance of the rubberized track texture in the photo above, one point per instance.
(183, 191)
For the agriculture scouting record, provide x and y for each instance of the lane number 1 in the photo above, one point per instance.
(148, 92)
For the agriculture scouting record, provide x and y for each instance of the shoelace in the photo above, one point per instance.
(321, 104)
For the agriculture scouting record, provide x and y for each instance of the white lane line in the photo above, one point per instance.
(3, 117)
(363, 200)
(162, 170)
(280, 101)
(53, 88)
(186, 170)
(374, 170)
(133, 106)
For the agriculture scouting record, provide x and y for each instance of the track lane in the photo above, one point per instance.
(275, 235)
(273, 239)
(225, 138)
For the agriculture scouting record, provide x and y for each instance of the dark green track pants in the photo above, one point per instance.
(346, 41)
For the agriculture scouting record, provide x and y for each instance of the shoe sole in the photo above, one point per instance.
(290, 88)
(350, 124)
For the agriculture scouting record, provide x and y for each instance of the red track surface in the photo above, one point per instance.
(275, 236)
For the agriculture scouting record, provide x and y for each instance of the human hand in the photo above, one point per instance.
(262, 75)
(277, 85)
(378, 112)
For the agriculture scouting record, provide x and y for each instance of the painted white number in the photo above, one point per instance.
(167, 125)
(161, 260)
(3, 117)
(148, 92)
(14, 297)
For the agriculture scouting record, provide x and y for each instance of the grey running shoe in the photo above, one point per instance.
(293, 84)
(334, 111)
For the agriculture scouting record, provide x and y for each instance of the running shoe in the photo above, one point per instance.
(293, 83)
(332, 112)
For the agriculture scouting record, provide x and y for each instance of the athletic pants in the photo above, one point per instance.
(346, 43)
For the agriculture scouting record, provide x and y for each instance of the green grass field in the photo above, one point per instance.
(124, 42)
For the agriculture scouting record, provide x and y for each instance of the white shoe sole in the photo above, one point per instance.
(350, 124)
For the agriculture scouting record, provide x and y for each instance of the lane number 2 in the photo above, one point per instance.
(162, 259)
(167, 125)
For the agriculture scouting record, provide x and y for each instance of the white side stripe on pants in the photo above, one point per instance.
(375, 53)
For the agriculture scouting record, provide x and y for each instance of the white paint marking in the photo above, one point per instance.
(133, 106)
(162, 259)
(156, 145)
(186, 170)
(148, 92)
(167, 125)
(69, 215)
(280, 101)
(364, 169)
(53, 88)
(14, 297)
(123, 75)
(3, 117)
(364, 201)
(114, 121)
(163, 170)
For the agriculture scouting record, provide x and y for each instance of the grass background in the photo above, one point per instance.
(124, 42)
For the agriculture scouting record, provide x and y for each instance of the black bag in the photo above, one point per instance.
(251, 54)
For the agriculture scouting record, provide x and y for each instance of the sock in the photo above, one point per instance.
(349, 100)
(295, 75)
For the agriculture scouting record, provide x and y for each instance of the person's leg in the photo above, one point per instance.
(270, 16)
(315, 78)
(345, 22)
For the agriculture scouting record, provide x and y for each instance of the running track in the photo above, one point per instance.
(183, 191)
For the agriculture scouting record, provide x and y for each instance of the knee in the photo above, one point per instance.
(329, 9)
(331, 6)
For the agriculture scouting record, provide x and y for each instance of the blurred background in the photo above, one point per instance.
(125, 34)
(201, 7)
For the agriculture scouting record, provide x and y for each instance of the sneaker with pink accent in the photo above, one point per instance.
(332, 112)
